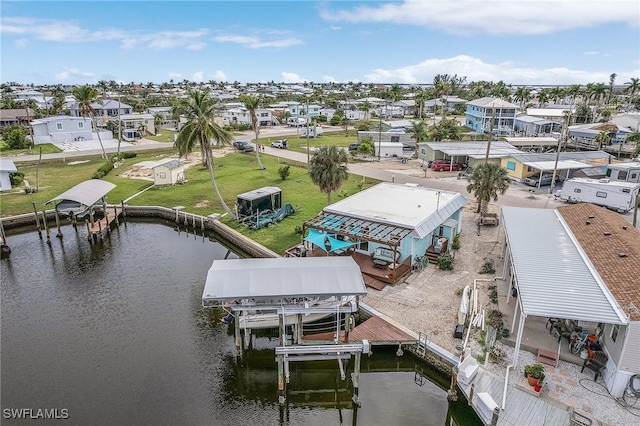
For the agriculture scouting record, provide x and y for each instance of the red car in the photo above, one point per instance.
(446, 166)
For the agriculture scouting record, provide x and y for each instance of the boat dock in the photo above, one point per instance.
(375, 330)
(111, 214)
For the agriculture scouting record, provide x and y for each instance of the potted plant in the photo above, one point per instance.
(534, 373)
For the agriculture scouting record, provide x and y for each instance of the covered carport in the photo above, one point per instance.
(465, 152)
(562, 166)
(552, 275)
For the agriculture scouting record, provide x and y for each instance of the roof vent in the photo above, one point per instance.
(622, 254)
(591, 216)
(624, 227)
(588, 223)
(607, 233)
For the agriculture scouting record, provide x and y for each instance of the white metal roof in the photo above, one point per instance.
(476, 149)
(7, 165)
(562, 164)
(554, 276)
(547, 112)
(283, 277)
(87, 192)
(416, 207)
(543, 141)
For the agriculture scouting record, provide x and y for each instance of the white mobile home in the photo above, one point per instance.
(626, 172)
(615, 195)
(312, 131)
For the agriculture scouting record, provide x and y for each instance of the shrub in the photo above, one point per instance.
(534, 370)
(284, 172)
(445, 262)
(104, 170)
(366, 147)
(15, 139)
(16, 178)
(494, 319)
(297, 229)
(488, 268)
(455, 244)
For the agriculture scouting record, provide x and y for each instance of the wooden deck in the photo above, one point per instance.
(376, 330)
(521, 408)
(99, 226)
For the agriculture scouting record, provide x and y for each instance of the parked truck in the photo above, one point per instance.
(296, 121)
(614, 195)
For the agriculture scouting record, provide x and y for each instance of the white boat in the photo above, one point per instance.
(258, 319)
(464, 305)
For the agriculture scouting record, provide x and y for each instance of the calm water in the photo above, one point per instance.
(115, 333)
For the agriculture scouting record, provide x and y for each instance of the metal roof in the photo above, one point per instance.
(259, 193)
(86, 193)
(283, 277)
(562, 165)
(551, 156)
(411, 206)
(555, 278)
(542, 141)
(492, 103)
(6, 165)
(475, 149)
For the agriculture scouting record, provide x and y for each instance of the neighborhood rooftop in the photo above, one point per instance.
(474, 149)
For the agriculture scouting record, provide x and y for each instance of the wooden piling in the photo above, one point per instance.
(202, 222)
(281, 391)
(194, 221)
(123, 211)
(46, 227)
(86, 221)
(35, 211)
(115, 213)
(59, 235)
(356, 378)
(73, 220)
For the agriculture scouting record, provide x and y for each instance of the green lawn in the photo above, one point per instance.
(47, 148)
(299, 144)
(235, 173)
(162, 136)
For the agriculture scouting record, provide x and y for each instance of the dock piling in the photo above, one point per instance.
(59, 235)
(46, 227)
(281, 389)
(35, 211)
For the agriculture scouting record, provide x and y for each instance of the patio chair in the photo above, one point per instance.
(597, 364)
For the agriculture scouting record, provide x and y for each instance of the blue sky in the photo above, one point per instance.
(517, 41)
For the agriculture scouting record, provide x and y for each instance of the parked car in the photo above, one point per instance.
(244, 146)
(280, 143)
(446, 166)
(545, 180)
(354, 146)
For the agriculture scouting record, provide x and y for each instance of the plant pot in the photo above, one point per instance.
(533, 381)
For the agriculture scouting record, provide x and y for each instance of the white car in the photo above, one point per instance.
(280, 143)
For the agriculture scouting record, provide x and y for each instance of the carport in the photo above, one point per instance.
(550, 166)
(552, 274)
(462, 152)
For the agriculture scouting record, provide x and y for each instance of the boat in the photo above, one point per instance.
(259, 291)
(464, 305)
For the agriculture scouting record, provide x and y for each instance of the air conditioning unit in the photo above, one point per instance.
(439, 244)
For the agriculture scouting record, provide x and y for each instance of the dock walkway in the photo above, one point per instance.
(99, 226)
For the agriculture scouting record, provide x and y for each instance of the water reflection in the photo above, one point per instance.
(114, 331)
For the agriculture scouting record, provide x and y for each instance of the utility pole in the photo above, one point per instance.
(563, 135)
(493, 118)
(119, 127)
(380, 130)
(635, 211)
(308, 149)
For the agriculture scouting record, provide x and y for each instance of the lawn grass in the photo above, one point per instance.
(235, 173)
(299, 144)
(162, 135)
(47, 148)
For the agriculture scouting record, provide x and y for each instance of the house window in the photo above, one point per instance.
(395, 138)
(59, 126)
(163, 175)
(530, 169)
(615, 330)
(626, 190)
(423, 151)
(364, 246)
(634, 176)
(601, 194)
(80, 125)
(577, 190)
(511, 165)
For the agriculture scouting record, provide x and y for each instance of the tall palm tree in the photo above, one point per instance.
(486, 182)
(522, 96)
(612, 81)
(441, 86)
(602, 139)
(633, 87)
(366, 108)
(418, 131)
(634, 137)
(200, 129)
(328, 169)
(86, 96)
(251, 103)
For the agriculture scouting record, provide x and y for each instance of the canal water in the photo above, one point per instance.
(114, 332)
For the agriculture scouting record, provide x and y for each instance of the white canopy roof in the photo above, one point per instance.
(562, 164)
(554, 276)
(283, 277)
(87, 192)
(474, 149)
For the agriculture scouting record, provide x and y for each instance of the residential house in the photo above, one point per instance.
(407, 106)
(241, 115)
(25, 95)
(584, 135)
(555, 113)
(385, 138)
(432, 105)
(420, 221)
(304, 110)
(167, 122)
(480, 112)
(524, 165)
(591, 259)
(12, 117)
(6, 168)
(527, 125)
(61, 129)
(629, 120)
(109, 109)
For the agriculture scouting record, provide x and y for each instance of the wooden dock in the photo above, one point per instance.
(96, 229)
(521, 408)
(375, 329)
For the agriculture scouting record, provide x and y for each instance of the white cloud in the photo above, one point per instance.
(174, 75)
(475, 70)
(69, 31)
(492, 16)
(291, 77)
(21, 42)
(219, 76)
(335, 27)
(75, 75)
(329, 79)
(591, 52)
(255, 42)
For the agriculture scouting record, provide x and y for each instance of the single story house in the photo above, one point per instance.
(526, 125)
(555, 114)
(585, 134)
(169, 171)
(108, 109)
(523, 165)
(627, 172)
(6, 167)
(465, 152)
(533, 144)
(144, 123)
(386, 138)
(167, 122)
(12, 117)
(404, 220)
(61, 129)
(591, 259)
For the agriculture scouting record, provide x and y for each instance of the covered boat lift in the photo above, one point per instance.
(289, 286)
(81, 199)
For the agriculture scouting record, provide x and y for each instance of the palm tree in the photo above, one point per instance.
(251, 103)
(366, 108)
(633, 87)
(200, 129)
(602, 139)
(328, 169)
(634, 137)
(522, 96)
(86, 96)
(441, 85)
(486, 182)
(418, 131)
(612, 81)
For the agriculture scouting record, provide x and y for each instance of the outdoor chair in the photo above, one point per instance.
(597, 364)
